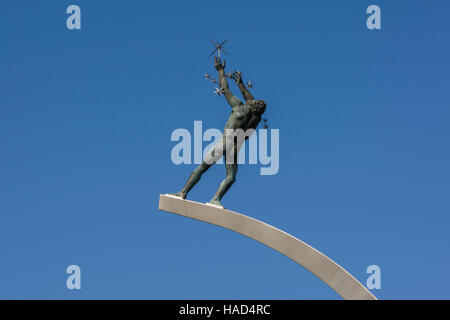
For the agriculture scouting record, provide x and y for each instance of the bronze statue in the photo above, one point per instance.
(244, 116)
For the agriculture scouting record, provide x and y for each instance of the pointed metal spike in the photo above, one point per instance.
(214, 51)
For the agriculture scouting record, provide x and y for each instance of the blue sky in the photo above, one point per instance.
(85, 123)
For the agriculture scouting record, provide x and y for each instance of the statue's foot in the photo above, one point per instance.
(179, 194)
(215, 202)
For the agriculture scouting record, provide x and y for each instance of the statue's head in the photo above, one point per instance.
(257, 106)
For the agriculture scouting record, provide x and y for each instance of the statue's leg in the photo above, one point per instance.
(193, 179)
(228, 181)
(225, 184)
(211, 157)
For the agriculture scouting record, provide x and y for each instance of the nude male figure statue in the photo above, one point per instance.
(243, 120)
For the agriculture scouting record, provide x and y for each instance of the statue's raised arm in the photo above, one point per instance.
(237, 77)
(223, 82)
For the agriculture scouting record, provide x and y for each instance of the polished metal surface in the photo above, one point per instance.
(320, 265)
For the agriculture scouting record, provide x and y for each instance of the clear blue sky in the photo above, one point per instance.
(85, 124)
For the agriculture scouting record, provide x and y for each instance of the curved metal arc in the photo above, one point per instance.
(316, 262)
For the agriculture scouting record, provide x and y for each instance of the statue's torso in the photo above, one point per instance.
(239, 117)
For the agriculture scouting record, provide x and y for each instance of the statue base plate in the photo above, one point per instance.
(316, 262)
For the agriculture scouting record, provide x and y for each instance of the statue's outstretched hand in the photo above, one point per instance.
(237, 77)
(218, 64)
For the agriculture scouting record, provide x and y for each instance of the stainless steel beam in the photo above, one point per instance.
(320, 265)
